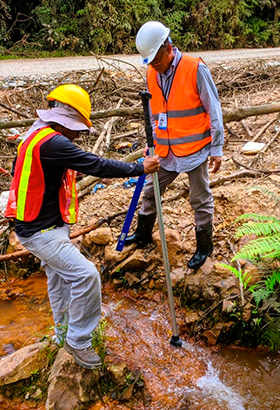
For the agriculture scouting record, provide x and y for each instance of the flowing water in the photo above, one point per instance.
(192, 377)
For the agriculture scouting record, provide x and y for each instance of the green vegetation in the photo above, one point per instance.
(264, 252)
(110, 26)
(99, 339)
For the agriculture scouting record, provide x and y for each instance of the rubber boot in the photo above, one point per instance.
(143, 233)
(204, 247)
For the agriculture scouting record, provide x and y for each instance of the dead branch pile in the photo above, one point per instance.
(118, 124)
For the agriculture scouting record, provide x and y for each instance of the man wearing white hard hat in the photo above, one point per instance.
(188, 128)
(43, 202)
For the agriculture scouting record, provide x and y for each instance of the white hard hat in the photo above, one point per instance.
(149, 39)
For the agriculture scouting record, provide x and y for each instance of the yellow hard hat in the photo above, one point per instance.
(74, 96)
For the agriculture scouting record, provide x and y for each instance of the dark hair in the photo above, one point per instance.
(51, 104)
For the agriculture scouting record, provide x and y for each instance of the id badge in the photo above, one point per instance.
(162, 121)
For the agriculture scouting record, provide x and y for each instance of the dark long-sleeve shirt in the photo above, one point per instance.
(58, 154)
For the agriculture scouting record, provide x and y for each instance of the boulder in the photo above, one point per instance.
(213, 334)
(191, 318)
(24, 362)
(117, 373)
(112, 256)
(174, 244)
(71, 386)
(99, 236)
(136, 261)
(177, 276)
(14, 244)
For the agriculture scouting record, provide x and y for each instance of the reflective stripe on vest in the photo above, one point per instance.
(74, 198)
(188, 124)
(42, 136)
(28, 185)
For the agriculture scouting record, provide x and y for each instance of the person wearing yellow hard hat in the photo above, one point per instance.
(188, 128)
(43, 202)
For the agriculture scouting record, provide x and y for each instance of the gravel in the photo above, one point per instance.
(48, 66)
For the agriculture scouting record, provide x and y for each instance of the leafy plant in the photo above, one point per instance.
(110, 26)
(5, 16)
(264, 251)
(271, 335)
(99, 339)
(267, 228)
(242, 277)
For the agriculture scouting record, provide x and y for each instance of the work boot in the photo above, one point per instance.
(84, 357)
(143, 233)
(204, 247)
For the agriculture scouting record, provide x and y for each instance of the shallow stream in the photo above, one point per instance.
(193, 377)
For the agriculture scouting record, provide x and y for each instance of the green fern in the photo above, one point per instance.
(238, 273)
(272, 280)
(264, 251)
(267, 228)
(260, 295)
(267, 247)
(271, 336)
(260, 228)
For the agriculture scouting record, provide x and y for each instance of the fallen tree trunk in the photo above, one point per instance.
(236, 114)
(114, 112)
(239, 114)
(240, 174)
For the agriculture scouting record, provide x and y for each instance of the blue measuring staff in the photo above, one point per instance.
(130, 212)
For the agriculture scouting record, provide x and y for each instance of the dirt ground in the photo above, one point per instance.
(240, 84)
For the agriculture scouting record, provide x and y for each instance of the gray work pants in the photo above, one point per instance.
(74, 285)
(200, 195)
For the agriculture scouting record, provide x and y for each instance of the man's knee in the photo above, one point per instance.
(148, 192)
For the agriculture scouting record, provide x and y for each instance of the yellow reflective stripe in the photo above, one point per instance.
(19, 145)
(72, 207)
(25, 173)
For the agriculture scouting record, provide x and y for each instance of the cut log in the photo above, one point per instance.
(243, 112)
(236, 114)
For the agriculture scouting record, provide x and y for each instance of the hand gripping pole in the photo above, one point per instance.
(145, 96)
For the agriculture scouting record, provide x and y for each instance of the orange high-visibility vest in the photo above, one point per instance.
(188, 124)
(28, 185)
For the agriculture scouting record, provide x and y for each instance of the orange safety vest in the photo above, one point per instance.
(28, 185)
(188, 124)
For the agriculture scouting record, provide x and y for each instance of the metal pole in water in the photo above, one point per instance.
(175, 340)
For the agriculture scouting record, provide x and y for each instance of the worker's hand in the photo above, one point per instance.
(151, 164)
(215, 164)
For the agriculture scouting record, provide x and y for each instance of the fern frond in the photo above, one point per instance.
(260, 295)
(272, 280)
(231, 268)
(268, 247)
(258, 218)
(259, 229)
